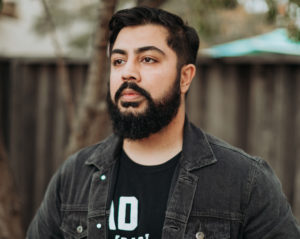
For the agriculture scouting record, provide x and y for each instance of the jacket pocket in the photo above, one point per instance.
(208, 228)
(74, 223)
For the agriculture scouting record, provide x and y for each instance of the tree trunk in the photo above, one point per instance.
(10, 213)
(92, 122)
(62, 68)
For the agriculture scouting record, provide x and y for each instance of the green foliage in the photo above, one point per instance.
(296, 2)
(88, 13)
(273, 10)
(216, 21)
(63, 17)
(213, 4)
(80, 42)
(1, 5)
(289, 18)
(150, 3)
(294, 32)
(60, 16)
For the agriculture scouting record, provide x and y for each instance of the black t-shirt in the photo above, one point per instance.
(140, 199)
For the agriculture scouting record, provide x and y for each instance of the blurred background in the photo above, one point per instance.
(53, 79)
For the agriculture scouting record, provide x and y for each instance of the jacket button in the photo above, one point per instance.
(79, 229)
(98, 225)
(103, 177)
(199, 235)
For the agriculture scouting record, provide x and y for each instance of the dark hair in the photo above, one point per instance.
(182, 38)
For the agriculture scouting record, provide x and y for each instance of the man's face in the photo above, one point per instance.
(144, 89)
(141, 55)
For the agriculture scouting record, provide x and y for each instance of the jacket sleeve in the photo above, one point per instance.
(268, 214)
(46, 223)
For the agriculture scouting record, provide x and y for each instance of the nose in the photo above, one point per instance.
(130, 72)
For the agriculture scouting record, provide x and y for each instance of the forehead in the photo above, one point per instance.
(142, 35)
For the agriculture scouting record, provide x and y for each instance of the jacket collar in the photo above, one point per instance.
(106, 153)
(197, 152)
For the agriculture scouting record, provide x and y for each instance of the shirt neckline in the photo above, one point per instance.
(129, 163)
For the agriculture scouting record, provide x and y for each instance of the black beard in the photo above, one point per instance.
(156, 116)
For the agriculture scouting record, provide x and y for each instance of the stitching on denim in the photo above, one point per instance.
(234, 149)
(232, 216)
(73, 208)
(250, 185)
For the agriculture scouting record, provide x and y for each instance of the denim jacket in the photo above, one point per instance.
(217, 192)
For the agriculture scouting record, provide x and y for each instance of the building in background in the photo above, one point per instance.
(275, 42)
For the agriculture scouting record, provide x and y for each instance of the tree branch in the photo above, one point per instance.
(62, 70)
(92, 122)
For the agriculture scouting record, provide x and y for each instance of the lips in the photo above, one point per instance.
(130, 95)
(130, 92)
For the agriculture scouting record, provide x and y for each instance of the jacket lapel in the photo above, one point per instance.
(197, 153)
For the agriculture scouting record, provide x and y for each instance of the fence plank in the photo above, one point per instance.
(243, 88)
(231, 105)
(43, 116)
(259, 130)
(78, 74)
(296, 157)
(288, 142)
(4, 97)
(16, 139)
(214, 111)
(60, 128)
(195, 94)
(278, 122)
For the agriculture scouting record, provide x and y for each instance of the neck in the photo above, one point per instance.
(159, 147)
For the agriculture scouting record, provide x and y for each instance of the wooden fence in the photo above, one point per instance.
(251, 102)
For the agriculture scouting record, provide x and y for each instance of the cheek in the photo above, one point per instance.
(160, 83)
(114, 82)
(113, 87)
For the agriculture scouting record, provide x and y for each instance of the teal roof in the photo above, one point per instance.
(276, 42)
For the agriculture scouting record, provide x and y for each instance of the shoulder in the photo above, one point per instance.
(248, 188)
(79, 158)
(231, 155)
(82, 164)
(232, 162)
(92, 155)
(225, 151)
(73, 179)
(216, 148)
(252, 171)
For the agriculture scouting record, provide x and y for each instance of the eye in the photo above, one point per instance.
(117, 62)
(149, 60)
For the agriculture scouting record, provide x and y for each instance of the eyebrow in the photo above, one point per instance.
(149, 48)
(118, 51)
(139, 50)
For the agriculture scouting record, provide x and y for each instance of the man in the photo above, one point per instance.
(158, 176)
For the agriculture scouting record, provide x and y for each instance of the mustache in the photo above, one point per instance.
(133, 86)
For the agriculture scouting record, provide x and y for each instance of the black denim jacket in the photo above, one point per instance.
(217, 192)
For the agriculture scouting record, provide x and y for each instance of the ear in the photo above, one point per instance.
(187, 74)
